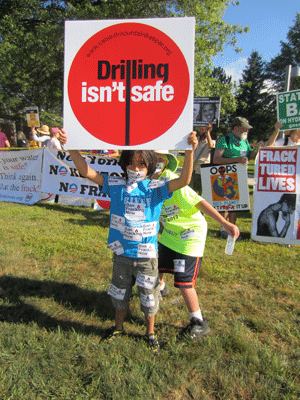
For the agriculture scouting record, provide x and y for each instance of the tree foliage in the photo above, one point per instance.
(289, 55)
(32, 43)
(254, 101)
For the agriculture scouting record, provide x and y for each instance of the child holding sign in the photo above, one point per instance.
(181, 244)
(135, 208)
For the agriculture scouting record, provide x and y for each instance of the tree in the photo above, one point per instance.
(32, 39)
(222, 85)
(289, 55)
(254, 101)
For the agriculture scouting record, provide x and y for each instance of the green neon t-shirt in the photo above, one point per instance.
(185, 227)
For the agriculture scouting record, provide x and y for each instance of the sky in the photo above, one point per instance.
(269, 22)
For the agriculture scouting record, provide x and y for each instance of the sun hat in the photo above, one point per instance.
(44, 130)
(172, 160)
(239, 121)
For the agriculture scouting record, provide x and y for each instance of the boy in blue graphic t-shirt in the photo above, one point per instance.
(136, 204)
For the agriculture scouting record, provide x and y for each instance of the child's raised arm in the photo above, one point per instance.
(84, 169)
(187, 169)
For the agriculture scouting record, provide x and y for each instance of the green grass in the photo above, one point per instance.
(55, 271)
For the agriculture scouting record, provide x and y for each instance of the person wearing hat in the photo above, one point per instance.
(181, 245)
(238, 150)
(54, 142)
(44, 132)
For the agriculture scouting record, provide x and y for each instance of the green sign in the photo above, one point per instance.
(288, 109)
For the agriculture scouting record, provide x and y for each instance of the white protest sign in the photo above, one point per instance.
(225, 187)
(276, 204)
(129, 83)
(20, 176)
(61, 177)
(206, 110)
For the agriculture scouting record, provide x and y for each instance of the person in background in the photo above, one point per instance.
(54, 142)
(32, 143)
(201, 155)
(21, 139)
(44, 132)
(238, 150)
(292, 137)
(3, 140)
(181, 245)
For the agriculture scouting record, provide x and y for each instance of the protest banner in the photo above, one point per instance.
(20, 176)
(61, 177)
(32, 116)
(276, 204)
(225, 187)
(288, 109)
(206, 109)
(129, 83)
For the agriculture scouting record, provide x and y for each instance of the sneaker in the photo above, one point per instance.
(153, 344)
(165, 292)
(114, 334)
(195, 329)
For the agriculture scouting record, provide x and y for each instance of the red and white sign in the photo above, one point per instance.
(129, 83)
(277, 170)
(276, 200)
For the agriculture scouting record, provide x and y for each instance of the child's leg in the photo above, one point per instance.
(161, 279)
(120, 316)
(121, 288)
(148, 288)
(150, 324)
(191, 300)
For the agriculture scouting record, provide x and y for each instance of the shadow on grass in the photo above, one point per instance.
(92, 217)
(15, 309)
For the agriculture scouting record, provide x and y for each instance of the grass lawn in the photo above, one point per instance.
(55, 271)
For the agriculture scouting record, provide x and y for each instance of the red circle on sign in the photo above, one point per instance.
(128, 84)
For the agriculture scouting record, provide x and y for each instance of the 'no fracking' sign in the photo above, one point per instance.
(129, 83)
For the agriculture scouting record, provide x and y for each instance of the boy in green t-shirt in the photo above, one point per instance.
(181, 245)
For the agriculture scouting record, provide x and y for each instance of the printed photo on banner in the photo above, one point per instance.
(288, 109)
(20, 176)
(61, 177)
(225, 187)
(141, 71)
(206, 109)
(276, 205)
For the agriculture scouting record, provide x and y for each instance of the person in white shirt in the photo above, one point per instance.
(54, 142)
(293, 137)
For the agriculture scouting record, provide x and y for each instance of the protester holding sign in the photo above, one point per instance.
(201, 155)
(182, 242)
(135, 208)
(292, 137)
(238, 150)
